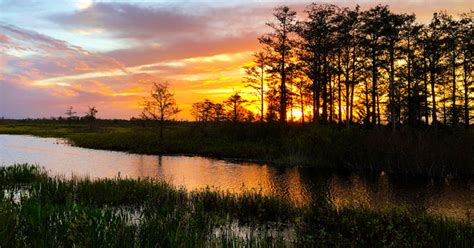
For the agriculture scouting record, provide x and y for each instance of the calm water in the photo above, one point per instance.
(448, 198)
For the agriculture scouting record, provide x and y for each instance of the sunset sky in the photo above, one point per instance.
(55, 54)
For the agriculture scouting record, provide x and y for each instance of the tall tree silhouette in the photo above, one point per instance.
(317, 34)
(466, 25)
(393, 29)
(412, 71)
(281, 44)
(160, 105)
(372, 30)
(451, 31)
(255, 79)
(433, 52)
(349, 47)
(373, 67)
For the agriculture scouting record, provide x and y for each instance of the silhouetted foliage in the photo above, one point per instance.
(256, 77)
(91, 113)
(160, 105)
(70, 113)
(280, 44)
(231, 109)
(373, 67)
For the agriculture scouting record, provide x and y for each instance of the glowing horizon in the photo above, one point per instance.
(107, 54)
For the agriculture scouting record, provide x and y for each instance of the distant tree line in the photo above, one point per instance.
(89, 115)
(232, 109)
(345, 65)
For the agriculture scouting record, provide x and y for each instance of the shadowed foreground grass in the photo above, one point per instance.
(416, 152)
(40, 211)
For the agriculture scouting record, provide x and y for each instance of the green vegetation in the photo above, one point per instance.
(40, 211)
(419, 152)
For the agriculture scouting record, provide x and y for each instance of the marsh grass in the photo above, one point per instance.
(146, 213)
(21, 174)
(408, 151)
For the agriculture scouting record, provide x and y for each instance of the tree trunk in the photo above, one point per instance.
(433, 97)
(411, 112)
(425, 82)
(283, 87)
(393, 117)
(367, 105)
(444, 106)
(262, 94)
(317, 105)
(302, 104)
(290, 104)
(315, 92)
(352, 102)
(453, 64)
(374, 88)
(325, 98)
(339, 114)
(378, 110)
(315, 102)
(347, 85)
(352, 84)
(416, 106)
(466, 94)
(331, 99)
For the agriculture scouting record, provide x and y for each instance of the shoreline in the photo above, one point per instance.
(132, 139)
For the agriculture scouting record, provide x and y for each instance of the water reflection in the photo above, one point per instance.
(454, 199)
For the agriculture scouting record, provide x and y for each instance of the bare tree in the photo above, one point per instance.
(70, 113)
(160, 105)
(255, 79)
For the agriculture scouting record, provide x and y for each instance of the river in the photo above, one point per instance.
(451, 198)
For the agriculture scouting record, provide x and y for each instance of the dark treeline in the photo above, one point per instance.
(374, 67)
(232, 109)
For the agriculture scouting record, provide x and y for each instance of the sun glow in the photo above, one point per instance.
(83, 4)
(295, 114)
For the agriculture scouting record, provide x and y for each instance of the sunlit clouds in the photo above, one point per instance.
(83, 4)
(107, 54)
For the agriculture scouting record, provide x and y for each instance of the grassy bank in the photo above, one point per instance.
(419, 152)
(39, 211)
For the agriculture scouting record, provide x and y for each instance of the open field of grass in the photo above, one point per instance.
(418, 152)
(39, 211)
